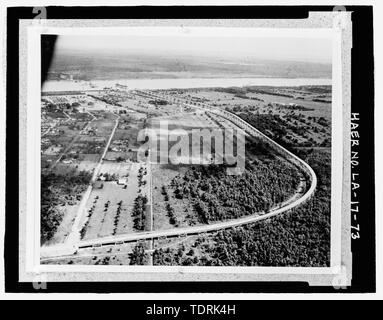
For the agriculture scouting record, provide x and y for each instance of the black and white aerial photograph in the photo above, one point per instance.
(186, 150)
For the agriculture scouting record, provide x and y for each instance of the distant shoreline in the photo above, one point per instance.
(186, 83)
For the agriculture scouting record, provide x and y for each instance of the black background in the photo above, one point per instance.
(364, 264)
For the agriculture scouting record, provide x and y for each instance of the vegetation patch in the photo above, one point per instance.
(299, 238)
(59, 190)
(217, 196)
(139, 212)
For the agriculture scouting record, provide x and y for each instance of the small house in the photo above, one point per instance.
(122, 181)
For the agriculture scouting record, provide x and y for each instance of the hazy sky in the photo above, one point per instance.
(274, 48)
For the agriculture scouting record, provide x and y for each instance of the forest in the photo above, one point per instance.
(216, 196)
(279, 129)
(59, 190)
(300, 237)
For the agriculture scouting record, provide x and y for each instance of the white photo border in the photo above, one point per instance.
(30, 241)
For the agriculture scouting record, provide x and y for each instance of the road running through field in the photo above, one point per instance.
(74, 235)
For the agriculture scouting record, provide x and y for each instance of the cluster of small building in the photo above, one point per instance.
(105, 177)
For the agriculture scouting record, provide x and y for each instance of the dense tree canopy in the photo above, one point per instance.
(300, 237)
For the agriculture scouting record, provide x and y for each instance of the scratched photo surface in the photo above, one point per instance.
(185, 150)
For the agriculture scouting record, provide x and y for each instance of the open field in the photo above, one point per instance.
(104, 219)
(111, 201)
(164, 174)
(276, 112)
(162, 178)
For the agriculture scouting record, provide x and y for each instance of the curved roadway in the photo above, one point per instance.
(221, 225)
(183, 232)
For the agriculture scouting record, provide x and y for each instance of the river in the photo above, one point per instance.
(71, 85)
